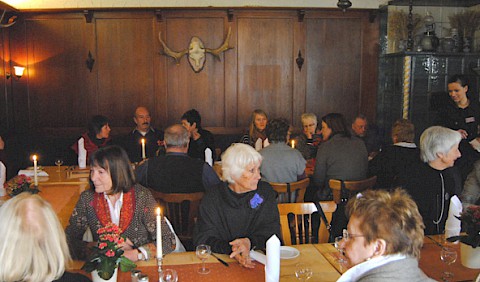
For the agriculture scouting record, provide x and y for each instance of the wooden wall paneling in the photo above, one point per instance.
(370, 54)
(125, 61)
(91, 80)
(334, 68)
(186, 89)
(6, 107)
(265, 65)
(56, 72)
(231, 73)
(159, 111)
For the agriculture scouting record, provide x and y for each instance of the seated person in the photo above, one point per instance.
(239, 214)
(433, 180)
(33, 243)
(471, 189)
(115, 198)
(395, 159)
(200, 139)
(307, 142)
(342, 156)
(281, 163)
(98, 136)
(384, 238)
(256, 135)
(176, 172)
(153, 137)
(368, 133)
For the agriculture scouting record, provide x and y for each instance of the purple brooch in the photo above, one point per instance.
(256, 201)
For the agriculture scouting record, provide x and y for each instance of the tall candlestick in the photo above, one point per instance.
(143, 149)
(159, 235)
(35, 173)
(293, 144)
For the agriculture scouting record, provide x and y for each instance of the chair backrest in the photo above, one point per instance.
(299, 226)
(297, 188)
(182, 211)
(354, 186)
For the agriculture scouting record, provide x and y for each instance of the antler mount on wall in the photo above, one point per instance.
(196, 51)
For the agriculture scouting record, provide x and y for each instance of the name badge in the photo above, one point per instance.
(469, 119)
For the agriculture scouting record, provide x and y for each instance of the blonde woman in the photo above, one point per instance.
(33, 246)
(256, 135)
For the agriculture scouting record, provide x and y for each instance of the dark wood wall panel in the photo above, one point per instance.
(56, 72)
(265, 49)
(334, 65)
(125, 62)
(186, 89)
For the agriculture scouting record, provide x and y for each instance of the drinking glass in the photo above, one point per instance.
(203, 252)
(59, 163)
(338, 240)
(448, 256)
(169, 275)
(303, 272)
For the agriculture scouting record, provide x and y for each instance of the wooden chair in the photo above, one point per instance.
(351, 187)
(287, 189)
(182, 211)
(298, 229)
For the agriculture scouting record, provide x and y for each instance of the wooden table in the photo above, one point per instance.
(186, 265)
(62, 176)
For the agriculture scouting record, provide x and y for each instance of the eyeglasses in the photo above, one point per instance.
(347, 236)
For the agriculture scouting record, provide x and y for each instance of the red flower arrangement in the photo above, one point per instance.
(18, 184)
(108, 253)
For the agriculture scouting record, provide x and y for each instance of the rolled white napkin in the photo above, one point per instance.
(265, 143)
(258, 144)
(208, 156)
(3, 177)
(272, 267)
(82, 154)
(261, 258)
(31, 172)
(453, 224)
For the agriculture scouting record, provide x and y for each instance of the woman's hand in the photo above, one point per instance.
(127, 245)
(131, 254)
(241, 252)
(463, 133)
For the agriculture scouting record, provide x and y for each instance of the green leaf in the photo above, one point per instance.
(126, 264)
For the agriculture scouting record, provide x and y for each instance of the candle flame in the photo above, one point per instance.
(159, 211)
(143, 140)
(293, 143)
(34, 157)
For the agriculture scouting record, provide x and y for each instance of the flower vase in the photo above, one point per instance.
(470, 257)
(96, 278)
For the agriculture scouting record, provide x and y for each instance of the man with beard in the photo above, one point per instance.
(153, 137)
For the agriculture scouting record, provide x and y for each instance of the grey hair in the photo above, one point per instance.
(311, 116)
(236, 158)
(435, 140)
(176, 136)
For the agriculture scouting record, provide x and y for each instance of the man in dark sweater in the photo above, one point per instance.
(176, 172)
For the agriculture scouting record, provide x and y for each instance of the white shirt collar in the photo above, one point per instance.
(115, 210)
(358, 270)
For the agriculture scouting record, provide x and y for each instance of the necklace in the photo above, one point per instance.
(443, 201)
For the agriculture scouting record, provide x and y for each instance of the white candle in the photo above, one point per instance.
(143, 149)
(35, 176)
(293, 144)
(159, 235)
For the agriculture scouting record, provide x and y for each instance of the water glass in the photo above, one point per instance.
(169, 275)
(59, 163)
(338, 241)
(203, 252)
(303, 272)
(448, 256)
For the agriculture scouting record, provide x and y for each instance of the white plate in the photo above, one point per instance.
(288, 252)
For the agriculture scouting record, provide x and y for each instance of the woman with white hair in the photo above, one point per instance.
(241, 213)
(433, 182)
(33, 246)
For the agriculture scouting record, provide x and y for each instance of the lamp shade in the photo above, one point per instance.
(18, 71)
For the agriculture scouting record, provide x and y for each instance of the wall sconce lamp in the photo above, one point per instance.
(18, 71)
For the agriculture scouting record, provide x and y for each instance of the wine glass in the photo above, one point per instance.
(59, 163)
(448, 256)
(338, 241)
(203, 252)
(169, 275)
(303, 272)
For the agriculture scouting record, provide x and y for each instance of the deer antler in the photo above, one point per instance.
(11, 21)
(224, 47)
(167, 51)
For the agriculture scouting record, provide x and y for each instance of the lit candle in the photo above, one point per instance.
(35, 176)
(143, 149)
(293, 144)
(159, 235)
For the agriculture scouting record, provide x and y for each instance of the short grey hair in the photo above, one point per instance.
(437, 139)
(309, 116)
(176, 136)
(236, 158)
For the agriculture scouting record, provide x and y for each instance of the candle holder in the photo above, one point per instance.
(160, 266)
